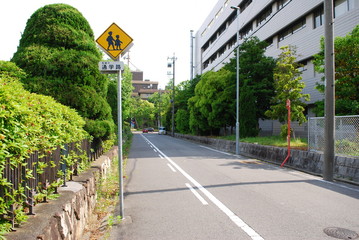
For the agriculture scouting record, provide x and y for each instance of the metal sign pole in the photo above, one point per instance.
(114, 47)
(120, 159)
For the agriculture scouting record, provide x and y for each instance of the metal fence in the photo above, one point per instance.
(31, 185)
(346, 135)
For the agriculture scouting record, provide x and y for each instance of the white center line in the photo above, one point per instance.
(200, 198)
(172, 168)
(238, 221)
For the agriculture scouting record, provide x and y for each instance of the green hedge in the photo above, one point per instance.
(29, 123)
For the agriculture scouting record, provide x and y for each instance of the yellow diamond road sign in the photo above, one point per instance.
(114, 41)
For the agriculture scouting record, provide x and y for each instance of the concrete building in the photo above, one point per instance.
(143, 88)
(280, 23)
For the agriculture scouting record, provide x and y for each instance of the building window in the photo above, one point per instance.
(212, 39)
(269, 42)
(213, 57)
(302, 65)
(244, 5)
(343, 6)
(353, 4)
(340, 7)
(292, 29)
(221, 51)
(264, 16)
(245, 31)
(232, 42)
(205, 46)
(282, 3)
(221, 29)
(319, 17)
(205, 64)
(231, 17)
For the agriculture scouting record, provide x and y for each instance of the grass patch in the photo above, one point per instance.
(108, 196)
(271, 141)
(108, 188)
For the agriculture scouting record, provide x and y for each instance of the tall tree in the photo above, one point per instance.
(346, 74)
(185, 90)
(256, 84)
(182, 121)
(126, 87)
(160, 101)
(143, 112)
(198, 123)
(58, 52)
(212, 101)
(288, 85)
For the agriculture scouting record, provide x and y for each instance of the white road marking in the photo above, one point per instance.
(214, 150)
(160, 156)
(172, 168)
(239, 222)
(200, 198)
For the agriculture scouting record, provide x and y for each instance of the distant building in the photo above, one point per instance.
(142, 88)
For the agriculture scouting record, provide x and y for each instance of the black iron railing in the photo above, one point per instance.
(35, 174)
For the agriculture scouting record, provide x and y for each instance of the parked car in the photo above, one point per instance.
(145, 130)
(150, 129)
(162, 131)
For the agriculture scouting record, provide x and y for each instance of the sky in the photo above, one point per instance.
(159, 28)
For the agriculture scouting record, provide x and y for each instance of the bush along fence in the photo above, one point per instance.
(25, 184)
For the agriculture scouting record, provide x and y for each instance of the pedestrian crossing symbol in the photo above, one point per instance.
(114, 41)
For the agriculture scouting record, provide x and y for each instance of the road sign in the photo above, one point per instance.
(114, 41)
(110, 67)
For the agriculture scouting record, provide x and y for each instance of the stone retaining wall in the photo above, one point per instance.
(66, 217)
(344, 167)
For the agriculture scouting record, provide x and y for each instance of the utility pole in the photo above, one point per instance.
(159, 114)
(329, 148)
(173, 92)
(128, 58)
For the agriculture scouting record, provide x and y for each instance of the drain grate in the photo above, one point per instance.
(341, 233)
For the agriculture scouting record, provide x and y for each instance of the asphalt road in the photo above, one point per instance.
(181, 190)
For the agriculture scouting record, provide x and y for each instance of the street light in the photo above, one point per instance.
(237, 75)
(192, 67)
(173, 92)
